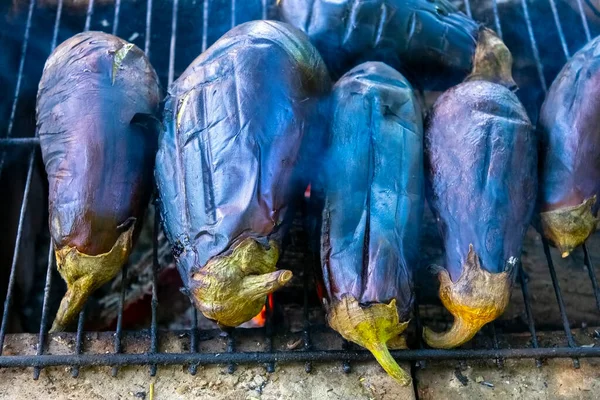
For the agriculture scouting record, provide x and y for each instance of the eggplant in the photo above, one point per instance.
(239, 138)
(570, 152)
(430, 41)
(481, 155)
(95, 106)
(369, 198)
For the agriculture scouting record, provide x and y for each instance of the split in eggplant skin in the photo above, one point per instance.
(481, 157)
(432, 42)
(95, 104)
(229, 163)
(569, 132)
(370, 197)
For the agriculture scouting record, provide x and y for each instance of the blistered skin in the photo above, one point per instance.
(481, 166)
(431, 41)
(371, 189)
(98, 147)
(570, 151)
(236, 126)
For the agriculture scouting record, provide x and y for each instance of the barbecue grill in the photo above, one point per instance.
(542, 36)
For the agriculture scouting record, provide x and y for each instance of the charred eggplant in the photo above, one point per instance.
(95, 104)
(481, 166)
(429, 40)
(230, 159)
(570, 152)
(370, 200)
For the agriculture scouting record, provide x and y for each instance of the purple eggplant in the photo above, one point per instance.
(481, 158)
(370, 199)
(569, 134)
(95, 108)
(230, 160)
(430, 41)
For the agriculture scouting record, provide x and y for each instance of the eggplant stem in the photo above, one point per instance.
(569, 227)
(475, 299)
(232, 289)
(385, 359)
(371, 327)
(84, 274)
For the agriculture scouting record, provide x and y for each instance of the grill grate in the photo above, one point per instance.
(308, 355)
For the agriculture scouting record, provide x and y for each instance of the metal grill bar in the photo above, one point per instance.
(269, 334)
(592, 273)
(193, 368)
(13, 109)
(499, 360)
(116, 18)
(264, 9)
(230, 350)
(19, 142)
(468, 8)
(528, 312)
(44, 319)
(497, 18)
(561, 34)
(173, 41)
(306, 326)
(233, 13)
(88, 15)
(78, 342)
(584, 22)
(205, 25)
(148, 28)
(559, 300)
(119, 329)
(11, 280)
(346, 367)
(419, 327)
(154, 302)
(287, 357)
(534, 47)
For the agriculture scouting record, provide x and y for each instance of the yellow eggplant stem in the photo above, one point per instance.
(569, 227)
(232, 289)
(371, 327)
(475, 299)
(84, 274)
(492, 61)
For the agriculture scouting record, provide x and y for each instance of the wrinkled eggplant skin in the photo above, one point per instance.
(569, 136)
(430, 41)
(481, 166)
(233, 154)
(370, 195)
(481, 159)
(372, 188)
(99, 164)
(95, 107)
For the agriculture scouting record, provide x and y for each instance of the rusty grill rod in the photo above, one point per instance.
(44, 319)
(528, 311)
(193, 358)
(13, 109)
(592, 273)
(286, 357)
(559, 300)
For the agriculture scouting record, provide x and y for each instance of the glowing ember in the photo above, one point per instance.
(261, 317)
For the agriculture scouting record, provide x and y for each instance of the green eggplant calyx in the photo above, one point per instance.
(371, 327)
(118, 59)
(232, 289)
(569, 227)
(475, 299)
(492, 61)
(85, 273)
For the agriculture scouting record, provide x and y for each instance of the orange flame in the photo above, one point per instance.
(307, 192)
(259, 320)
